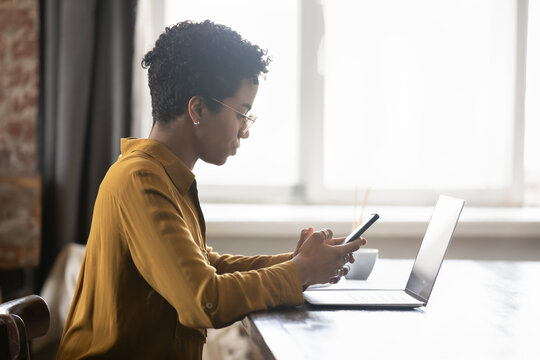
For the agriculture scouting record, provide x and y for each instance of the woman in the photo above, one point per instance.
(149, 285)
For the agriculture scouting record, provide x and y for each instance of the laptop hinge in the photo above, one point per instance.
(416, 296)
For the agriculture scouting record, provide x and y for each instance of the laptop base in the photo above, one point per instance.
(363, 298)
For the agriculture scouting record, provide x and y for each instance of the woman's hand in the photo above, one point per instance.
(304, 234)
(320, 258)
(345, 269)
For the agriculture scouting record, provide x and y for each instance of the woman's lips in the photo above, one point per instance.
(235, 147)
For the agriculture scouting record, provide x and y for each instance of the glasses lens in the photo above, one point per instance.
(250, 119)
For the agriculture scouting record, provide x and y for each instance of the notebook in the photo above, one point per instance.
(423, 274)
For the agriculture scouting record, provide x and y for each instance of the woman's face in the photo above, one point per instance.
(218, 134)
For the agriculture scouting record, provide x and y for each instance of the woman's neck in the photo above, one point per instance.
(178, 138)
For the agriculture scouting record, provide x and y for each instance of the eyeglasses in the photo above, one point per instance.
(248, 119)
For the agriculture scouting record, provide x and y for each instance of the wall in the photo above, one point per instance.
(403, 248)
(19, 61)
(20, 197)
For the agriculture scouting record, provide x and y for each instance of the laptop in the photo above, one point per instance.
(423, 274)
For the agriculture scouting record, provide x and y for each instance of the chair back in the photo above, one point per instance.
(22, 320)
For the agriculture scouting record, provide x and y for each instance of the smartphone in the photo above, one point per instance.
(361, 228)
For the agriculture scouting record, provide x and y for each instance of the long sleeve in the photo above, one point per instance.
(230, 263)
(160, 237)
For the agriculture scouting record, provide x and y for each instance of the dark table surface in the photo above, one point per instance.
(477, 310)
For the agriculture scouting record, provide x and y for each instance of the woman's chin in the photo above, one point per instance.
(216, 161)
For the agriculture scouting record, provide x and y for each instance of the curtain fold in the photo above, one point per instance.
(85, 102)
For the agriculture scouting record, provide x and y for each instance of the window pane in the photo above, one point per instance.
(419, 93)
(269, 156)
(532, 108)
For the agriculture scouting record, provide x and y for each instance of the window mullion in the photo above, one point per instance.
(311, 98)
(518, 173)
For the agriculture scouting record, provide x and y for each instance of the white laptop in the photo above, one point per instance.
(423, 274)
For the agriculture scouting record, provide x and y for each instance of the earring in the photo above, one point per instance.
(195, 123)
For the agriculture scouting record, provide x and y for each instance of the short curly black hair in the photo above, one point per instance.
(199, 59)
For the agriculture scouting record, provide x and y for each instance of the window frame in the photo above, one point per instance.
(310, 188)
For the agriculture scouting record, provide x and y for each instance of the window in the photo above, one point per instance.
(271, 148)
(405, 98)
(532, 105)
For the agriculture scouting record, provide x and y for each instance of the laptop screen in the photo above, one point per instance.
(434, 246)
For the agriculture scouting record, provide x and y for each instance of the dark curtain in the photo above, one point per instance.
(86, 63)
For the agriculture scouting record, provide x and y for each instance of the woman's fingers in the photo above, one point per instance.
(349, 248)
(339, 273)
(334, 280)
(307, 233)
(304, 235)
(328, 234)
(335, 241)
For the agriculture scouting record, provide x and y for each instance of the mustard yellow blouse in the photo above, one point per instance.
(149, 286)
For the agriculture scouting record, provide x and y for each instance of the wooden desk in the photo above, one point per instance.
(478, 310)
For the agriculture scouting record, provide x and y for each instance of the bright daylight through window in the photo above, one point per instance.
(416, 100)
(418, 97)
(269, 156)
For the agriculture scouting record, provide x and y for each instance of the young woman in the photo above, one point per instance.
(149, 285)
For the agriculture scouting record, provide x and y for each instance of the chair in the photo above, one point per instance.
(21, 320)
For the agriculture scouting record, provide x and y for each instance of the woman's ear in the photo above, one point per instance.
(195, 109)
